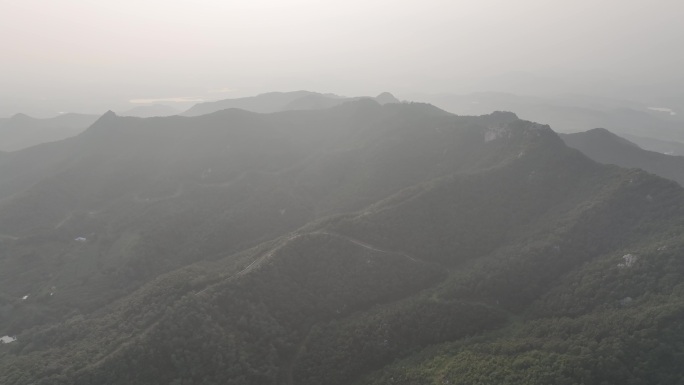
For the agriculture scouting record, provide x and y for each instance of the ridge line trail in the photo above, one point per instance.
(120, 347)
(366, 245)
(177, 193)
(289, 368)
(65, 220)
(302, 344)
(255, 263)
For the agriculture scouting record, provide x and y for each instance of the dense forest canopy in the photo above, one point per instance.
(364, 243)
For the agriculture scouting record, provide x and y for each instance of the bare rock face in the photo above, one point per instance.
(7, 339)
(629, 261)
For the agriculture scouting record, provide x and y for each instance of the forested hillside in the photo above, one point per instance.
(361, 244)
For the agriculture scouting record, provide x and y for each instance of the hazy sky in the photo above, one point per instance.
(106, 51)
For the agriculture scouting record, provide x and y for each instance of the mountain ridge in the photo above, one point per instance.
(283, 101)
(22, 131)
(606, 147)
(364, 243)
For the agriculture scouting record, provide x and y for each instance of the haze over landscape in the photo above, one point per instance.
(88, 57)
(343, 193)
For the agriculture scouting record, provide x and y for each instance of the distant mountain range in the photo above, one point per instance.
(571, 113)
(281, 101)
(362, 243)
(21, 131)
(657, 145)
(603, 146)
(651, 129)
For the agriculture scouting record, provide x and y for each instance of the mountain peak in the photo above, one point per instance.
(386, 98)
(108, 115)
(600, 131)
(361, 105)
(499, 118)
(103, 121)
(504, 115)
(20, 117)
(604, 134)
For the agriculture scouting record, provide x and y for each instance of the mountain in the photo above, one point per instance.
(603, 146)
(661, 146)
(569, 113)
(149, 111)
(151, 195)
(263, 103)
(282, 101)
(386, 98)
(22, 131)
(363, 243)
(10, 105)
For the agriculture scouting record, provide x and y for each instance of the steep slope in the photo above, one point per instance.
(22, 131)
(613, 318)
(525, 248)
(605, 147)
